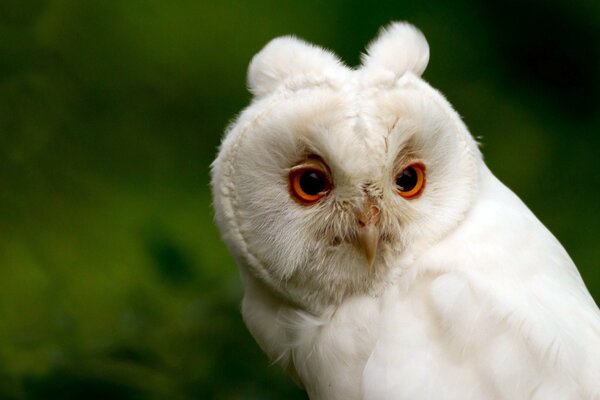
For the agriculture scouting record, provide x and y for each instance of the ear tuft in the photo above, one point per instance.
(399, 48)
(286, 57)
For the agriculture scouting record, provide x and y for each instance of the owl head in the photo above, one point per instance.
(334, 179)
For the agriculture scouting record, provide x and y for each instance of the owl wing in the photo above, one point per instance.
(497, 311)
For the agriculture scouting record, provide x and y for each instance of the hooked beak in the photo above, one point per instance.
(368, 234)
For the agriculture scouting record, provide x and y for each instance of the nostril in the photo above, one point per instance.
(374, 210)
(369, 215)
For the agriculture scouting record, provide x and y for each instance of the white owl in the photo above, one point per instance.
(381, 259)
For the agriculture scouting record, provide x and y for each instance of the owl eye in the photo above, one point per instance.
(309, 183)
(411, 181)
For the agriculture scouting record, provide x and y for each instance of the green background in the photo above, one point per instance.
(113, 280)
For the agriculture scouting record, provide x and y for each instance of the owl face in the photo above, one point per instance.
(334, 179)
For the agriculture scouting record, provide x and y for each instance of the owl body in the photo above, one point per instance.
(381, 259)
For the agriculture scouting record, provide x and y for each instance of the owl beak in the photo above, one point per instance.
(368, 234)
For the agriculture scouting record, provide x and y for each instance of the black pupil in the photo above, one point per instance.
(407, 180)
(313, 182)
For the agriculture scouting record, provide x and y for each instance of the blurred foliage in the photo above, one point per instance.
(113, 280)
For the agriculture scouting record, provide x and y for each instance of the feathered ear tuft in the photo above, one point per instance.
(399, 48)
(286, 57)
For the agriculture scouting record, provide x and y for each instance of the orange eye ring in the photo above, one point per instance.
(309, 183)
(410, 182)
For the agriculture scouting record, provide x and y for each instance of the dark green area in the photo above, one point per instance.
(113, 280)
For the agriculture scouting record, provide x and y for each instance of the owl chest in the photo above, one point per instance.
(325, 354)
(369, 347)
(331, 353)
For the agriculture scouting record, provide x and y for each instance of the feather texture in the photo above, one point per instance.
(469, 295)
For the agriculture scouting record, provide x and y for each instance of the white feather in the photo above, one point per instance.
(287, 58)
(469, 297)
(398, 48)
